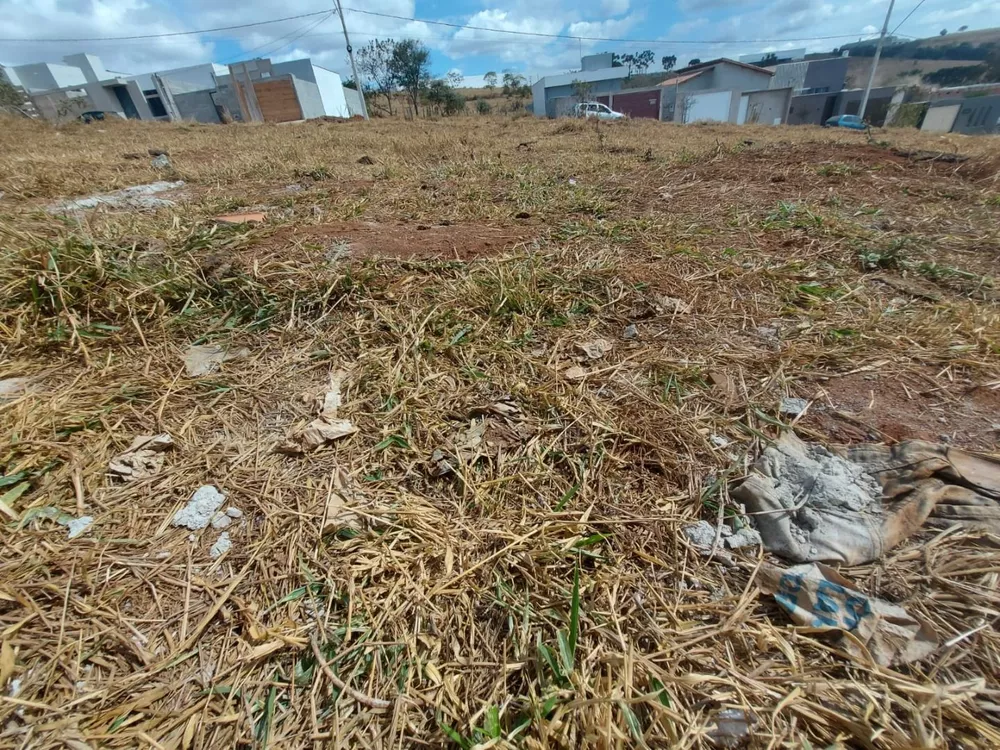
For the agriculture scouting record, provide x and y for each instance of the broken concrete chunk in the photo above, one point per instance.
(202, 506)
(138, 197)
(234, 513)
(595, 349)
(702, 536)
(143, 459)
(221, 546)
(819, 597)
(207, 358)
(221, 521)
(631, 331)
(793, 406)
(161, 161)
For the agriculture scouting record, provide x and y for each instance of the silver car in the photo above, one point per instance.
(596, 109)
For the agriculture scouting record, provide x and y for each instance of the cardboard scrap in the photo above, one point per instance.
(254, 217)
(326, 427)
(207, 358)
(337, 516)
(595, 349)
(817, 596)
(143, 459)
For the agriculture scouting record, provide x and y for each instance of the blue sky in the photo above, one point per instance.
(716, 28)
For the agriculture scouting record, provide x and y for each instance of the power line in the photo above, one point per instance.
(304, 29)
(173, 33)
(907, 18)
(575, 37)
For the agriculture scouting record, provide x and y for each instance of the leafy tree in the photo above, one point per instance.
(668, 62)
(643, 60)
(962, 28)
(483, 107)
(515, 86)
(490, 79)
(694, 61)
(411, 69)
(581, 90)
(375, 62)
(445, 98)
(769, 59)
(10, 95)
(455, 78)
(943, 32)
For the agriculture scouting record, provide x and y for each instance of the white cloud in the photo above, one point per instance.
(615, 7)
(507, 47)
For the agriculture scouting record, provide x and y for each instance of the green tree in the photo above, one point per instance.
(490, 79)
(669, 61)
(483, 107)
(694, 61)
(10, 95)
(375, 62)
(455, 78)
(411, 69)
(445, 98)
(769, 59)
(644, 60)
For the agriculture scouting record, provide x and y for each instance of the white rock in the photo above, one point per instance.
(222, 546)
(79, 525)
(202, 506)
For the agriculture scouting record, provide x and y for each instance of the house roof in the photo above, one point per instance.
(718, 60)
(677, 80)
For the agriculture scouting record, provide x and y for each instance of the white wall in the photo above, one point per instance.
(712, 107)
(91, 66)
(39, 77)
(331, 89)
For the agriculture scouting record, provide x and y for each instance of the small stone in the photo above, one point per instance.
(793, 406)
(718, 441)
(161, 162)
(222, 546)
(234, 512)
(631, 331)
(595, 349)
(79, 525)
(221, 521)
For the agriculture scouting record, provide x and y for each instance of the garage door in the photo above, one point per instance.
(639, 104)
(712, 107)
(277, 100)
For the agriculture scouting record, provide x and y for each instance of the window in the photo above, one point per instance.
(852, 118)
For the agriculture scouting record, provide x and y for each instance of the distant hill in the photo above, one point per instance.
(895, 71)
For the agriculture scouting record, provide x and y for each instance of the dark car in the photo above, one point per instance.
(845, 121)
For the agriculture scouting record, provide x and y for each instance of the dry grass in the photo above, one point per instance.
(541, 593)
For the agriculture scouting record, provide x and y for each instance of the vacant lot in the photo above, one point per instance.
(494, 555)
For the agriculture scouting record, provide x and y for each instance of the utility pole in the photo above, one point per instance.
(354, 68)
(878, 54)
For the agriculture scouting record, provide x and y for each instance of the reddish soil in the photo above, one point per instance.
(379, 240)
(859, 409)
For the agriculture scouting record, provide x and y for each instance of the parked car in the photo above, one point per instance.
(596, 109)
(845, 121)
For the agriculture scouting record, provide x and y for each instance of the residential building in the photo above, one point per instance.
(80, 83)
(812, 76)
(711, 91)
(773, 57)
(271, 92)
(976, 115)
(555, 96)
(815, 109)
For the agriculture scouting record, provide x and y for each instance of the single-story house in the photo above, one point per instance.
(555, 96)
(973, 116)
(211, 93)
(713, 91)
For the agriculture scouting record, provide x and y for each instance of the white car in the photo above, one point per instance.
(596, 109)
